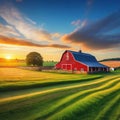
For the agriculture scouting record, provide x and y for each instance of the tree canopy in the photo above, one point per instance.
(34, 59)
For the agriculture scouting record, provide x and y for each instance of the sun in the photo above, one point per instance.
(8, 57)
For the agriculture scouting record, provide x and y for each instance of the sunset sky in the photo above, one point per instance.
(52, 26)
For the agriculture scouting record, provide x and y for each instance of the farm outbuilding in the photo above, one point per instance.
(79, 61)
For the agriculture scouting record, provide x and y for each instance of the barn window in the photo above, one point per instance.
(67, 56)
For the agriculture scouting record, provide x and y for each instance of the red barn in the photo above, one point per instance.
(78, 61)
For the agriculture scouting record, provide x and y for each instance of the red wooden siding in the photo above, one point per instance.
(68, 62)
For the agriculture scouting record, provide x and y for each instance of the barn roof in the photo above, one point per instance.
(87, 59)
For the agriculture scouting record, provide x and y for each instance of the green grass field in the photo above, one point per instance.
(34, 95)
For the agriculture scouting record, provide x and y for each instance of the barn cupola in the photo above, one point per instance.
(80, 51)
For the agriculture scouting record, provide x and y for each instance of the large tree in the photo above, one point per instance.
(34, 58)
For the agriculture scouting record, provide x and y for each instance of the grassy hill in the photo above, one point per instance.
(110, 59)
(114, 64)
(32, 95)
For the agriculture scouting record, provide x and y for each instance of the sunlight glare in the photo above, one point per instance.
(8, 57)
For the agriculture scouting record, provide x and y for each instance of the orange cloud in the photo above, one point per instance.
(22, 42)
(59, 46)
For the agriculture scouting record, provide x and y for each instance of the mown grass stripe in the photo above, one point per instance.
(73, 98)
(15, 85)
(80, 106)
(106, 110)
(48, 91)
(114, 112)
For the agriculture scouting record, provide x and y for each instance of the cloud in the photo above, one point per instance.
(22, 42)
(76, 23)
(33, 22)
(7, 30)
(24, 25)
(99, 35)
(18, 25)
(79, 24)
(56, 35)
(59, 46)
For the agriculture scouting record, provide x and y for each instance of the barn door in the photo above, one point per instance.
(67, 66)
(64, 66)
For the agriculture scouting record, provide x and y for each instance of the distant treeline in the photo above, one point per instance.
(21, 62)
(11, 60)
(110, 59)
